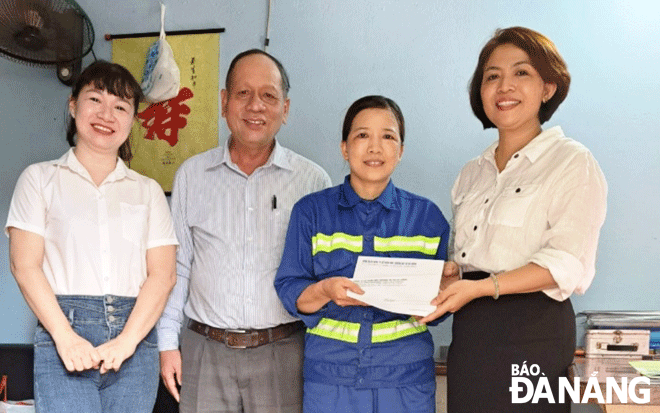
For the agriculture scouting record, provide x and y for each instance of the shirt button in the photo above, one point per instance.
(249, 239)
(475, 227)
(517, 190)
(486, 201)
(111, 308)
(515, 156)
(360, 380)
(111, 318)
(109, 300)
(463, 255)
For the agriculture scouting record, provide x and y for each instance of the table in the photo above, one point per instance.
(584, 368)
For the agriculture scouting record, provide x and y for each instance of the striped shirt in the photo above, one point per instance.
(231, 228)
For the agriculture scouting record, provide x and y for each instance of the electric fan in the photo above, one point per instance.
(46, 32)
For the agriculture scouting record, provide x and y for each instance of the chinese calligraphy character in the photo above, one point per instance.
(193, 76)
(164, 119)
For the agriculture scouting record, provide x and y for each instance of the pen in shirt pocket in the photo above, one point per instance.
(274, 202)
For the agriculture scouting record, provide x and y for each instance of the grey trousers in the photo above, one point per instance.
(266, 379)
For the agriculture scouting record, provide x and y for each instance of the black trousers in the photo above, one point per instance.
(490, 336)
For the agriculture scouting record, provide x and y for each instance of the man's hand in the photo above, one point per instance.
(170, 371)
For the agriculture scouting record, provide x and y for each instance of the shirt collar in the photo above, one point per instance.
(277, 157)
(541, 143)
(70, 161)
(532, 151)
(349, 198)
(488, 155)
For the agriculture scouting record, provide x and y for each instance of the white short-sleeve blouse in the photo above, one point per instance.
(95, 238)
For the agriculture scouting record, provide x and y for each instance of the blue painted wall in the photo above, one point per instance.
(420, 53)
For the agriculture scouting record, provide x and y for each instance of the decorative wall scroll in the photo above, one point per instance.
(168, 133)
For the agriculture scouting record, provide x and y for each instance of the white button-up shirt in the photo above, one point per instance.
(546, 207)
(232, 229)
(95, 238)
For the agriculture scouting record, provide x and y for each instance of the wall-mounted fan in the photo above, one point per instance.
(46, 32)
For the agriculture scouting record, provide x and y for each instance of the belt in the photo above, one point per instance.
(475, 275)
(246, 338)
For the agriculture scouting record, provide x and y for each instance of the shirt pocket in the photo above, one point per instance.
(511, 207)
(273, 236)
(339, 262)
(134, 222)
(279, 223)
(467, 208)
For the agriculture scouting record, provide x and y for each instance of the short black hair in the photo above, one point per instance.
(543, 55)
(114, 79)
(285, 77)
(372, 102)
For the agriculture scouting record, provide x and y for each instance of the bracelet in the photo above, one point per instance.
(497, 287)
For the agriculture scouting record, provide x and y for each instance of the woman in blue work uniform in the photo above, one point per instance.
(360, 358)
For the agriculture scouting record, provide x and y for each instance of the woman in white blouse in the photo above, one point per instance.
(527, 215)
(92, 249)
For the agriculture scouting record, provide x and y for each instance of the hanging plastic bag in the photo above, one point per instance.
(162, 79)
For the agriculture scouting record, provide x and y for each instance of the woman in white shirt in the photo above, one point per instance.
(92, 249)
(527, 215)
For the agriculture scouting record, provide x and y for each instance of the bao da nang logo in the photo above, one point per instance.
(525, 390)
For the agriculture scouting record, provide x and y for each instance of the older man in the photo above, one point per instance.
(240, 350)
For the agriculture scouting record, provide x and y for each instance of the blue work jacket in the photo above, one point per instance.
(356, 346)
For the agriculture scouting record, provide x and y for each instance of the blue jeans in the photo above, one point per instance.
(97, 319)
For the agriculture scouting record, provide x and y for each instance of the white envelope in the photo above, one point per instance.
(398, 285)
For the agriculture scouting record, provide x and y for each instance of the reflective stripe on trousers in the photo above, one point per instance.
(380, 332)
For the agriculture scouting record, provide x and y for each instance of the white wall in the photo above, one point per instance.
(421, 54)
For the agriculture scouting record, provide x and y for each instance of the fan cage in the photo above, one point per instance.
(62, 25)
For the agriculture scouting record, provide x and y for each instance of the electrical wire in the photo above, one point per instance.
(267, 39)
